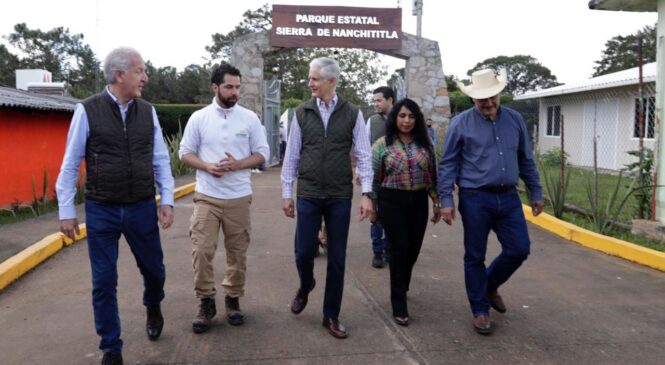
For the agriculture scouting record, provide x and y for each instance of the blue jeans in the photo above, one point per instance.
(337, 215)
(502, 213)
(138, 223)
(379, 240)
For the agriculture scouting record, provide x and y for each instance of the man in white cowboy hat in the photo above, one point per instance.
(487, 149)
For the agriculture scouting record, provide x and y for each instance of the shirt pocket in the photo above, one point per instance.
(394, 163)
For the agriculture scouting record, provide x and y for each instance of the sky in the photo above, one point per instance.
(563, 35)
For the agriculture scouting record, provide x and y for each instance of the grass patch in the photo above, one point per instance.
(584, 222)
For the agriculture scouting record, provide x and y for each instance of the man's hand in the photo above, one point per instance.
(536, 207)
(448, 215)
(214, 169)
(366, 208)
(229, 163)
(70, 228)
(165, 216)
(288, 207)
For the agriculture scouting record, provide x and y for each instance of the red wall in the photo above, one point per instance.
(31, 141)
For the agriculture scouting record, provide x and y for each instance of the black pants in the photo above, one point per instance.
(403, 215)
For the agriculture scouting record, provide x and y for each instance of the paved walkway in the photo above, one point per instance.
(566, 305)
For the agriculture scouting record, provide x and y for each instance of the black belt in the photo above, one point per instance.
(493, 188)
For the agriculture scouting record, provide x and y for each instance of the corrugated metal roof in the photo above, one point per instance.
(616, 79)
(15, 98)
(624, 5)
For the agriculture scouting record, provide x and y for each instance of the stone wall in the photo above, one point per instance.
(424, 79)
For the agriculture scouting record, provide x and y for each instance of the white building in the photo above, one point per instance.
(604, 107)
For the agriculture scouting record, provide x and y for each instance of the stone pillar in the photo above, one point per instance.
(247, 55)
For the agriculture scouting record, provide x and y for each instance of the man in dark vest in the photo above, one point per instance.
(120, 139)
(384, 97)
(323, 131)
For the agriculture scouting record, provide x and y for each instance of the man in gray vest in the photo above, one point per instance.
(384, 97)
(323, 131)
(119, 136)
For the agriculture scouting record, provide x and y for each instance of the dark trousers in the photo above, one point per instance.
(379, 242)
(403, 215)
(138, 223)
(481, 212)
(336, 214)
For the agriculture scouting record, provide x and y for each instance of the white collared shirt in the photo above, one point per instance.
(213, 131)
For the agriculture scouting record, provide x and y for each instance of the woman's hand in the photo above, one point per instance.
(437, 214)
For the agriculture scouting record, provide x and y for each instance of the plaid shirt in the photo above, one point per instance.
(403, 167)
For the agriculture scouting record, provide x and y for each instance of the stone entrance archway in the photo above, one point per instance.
(424, 78)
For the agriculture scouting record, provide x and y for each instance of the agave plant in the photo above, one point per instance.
(178, 168)
(556, 188)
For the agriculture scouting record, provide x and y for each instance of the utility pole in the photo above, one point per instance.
(418, 12)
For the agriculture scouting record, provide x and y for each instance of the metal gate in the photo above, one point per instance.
(271, 114)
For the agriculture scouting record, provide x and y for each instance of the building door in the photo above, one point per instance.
(600, 121)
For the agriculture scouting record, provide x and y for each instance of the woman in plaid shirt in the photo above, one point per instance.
(404, 176)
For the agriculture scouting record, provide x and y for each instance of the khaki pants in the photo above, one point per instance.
(232, 216)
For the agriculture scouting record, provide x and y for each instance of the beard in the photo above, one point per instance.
(227, 102)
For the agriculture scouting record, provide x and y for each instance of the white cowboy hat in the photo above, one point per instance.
(485, 84)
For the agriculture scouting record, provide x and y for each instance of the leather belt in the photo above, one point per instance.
(494, 188)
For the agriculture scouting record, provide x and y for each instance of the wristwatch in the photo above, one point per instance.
(367, 194)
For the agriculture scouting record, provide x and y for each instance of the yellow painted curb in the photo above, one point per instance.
(26, 260)
(609, 245)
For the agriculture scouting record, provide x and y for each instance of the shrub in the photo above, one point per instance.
(552, 157)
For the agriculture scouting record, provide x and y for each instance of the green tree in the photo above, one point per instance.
(622, 53)
(162, 87)
(359, 68)
(525, 73)
(194, 85)
(8, 64)
(451, 81)
(58, 51)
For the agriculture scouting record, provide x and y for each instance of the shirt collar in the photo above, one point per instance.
(322, 104)
(108, 90)
(222, 109)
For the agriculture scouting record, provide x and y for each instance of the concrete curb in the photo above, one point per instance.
(609, 245)
(26, 260)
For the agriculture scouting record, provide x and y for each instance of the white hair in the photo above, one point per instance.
(328, 67)
(118, 59)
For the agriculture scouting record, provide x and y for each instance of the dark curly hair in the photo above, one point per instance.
(223, 69)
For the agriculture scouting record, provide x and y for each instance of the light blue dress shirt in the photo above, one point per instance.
(75, 153)
(481, 152)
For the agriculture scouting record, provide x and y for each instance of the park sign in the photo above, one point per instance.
(336, 26)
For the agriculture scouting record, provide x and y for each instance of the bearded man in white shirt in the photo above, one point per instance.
(223, 142)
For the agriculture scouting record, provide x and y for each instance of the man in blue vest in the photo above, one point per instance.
(119, 136)
(323, 131)
(383, 98)
(487, 150)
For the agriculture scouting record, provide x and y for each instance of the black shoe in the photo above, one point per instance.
(377, 261)
(112, 358)
(207, 311)
(155, 322)
(233, 313)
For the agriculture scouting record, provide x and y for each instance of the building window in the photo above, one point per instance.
(649, 113)
(554, 121)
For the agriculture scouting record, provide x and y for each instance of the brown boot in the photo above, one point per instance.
(496, 301)
(233, 313)
(207, 311)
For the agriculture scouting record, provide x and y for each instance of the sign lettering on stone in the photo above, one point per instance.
(336, 26)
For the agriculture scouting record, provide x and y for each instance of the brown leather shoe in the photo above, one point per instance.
(496, 301)
(300, 301)
(335, 328)
(482, 324)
